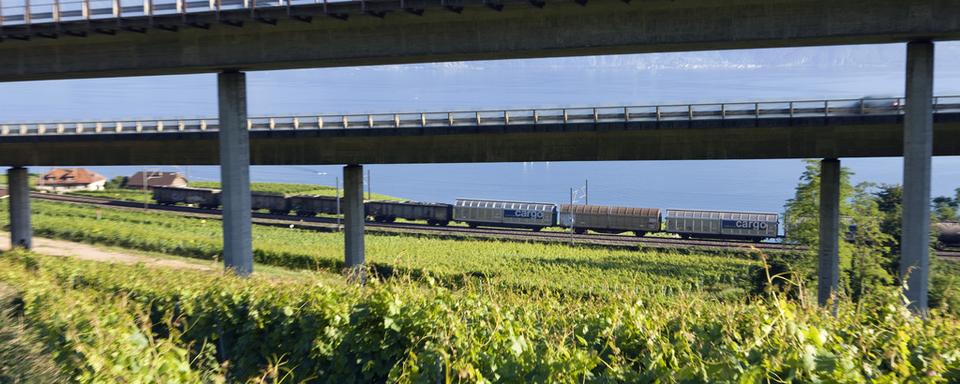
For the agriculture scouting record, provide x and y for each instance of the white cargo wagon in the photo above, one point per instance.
(755, 226)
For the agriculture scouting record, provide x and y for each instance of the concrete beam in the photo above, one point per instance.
(21, 231)
(518, 29)
(353, 219)
(917, 150)
(865, 136)
(234, 142)
(828, 271)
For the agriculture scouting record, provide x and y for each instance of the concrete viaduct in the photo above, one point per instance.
(229, 37)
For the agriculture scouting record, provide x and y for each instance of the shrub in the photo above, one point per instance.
(405, 331)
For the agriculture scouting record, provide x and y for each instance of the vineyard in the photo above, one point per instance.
(434, 310)
(525, 266)
(110, 323)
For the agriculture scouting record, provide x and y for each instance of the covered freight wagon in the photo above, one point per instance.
(202, 197)
(305, 205)
(755, 226)
(276, 203)
(498, 213)
(608, 219)
(388, 211)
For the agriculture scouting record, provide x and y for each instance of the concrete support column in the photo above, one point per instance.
(353, 216)
(235, 172)
(917, 150)
(828, 271)
(21, 232)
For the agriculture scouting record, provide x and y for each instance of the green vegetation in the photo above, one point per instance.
(99, 338)
(33, 177)
(22, 355)
(947, 208)
(162, 325)
(114, 191)
(516, 265)
(437, 310)
(869, 259)
(291, 189)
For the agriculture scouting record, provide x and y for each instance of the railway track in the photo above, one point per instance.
(456, 232)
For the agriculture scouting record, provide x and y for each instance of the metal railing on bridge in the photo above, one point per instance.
(499, 118)
(27, 12)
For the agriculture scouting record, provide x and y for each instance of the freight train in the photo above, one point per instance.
(686, 223)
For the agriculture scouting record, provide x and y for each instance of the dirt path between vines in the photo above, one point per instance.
(89, 252)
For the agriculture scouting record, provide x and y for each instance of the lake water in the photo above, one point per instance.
(744, 185)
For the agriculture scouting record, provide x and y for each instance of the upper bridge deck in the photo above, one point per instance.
(735, 130)
(57, 39)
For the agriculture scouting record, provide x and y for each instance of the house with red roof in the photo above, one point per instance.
(71, 179)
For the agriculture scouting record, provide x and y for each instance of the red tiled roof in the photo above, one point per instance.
(70, 176)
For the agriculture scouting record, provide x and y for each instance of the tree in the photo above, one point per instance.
(888, 198)
(864, 256)
(870, 245)
(803, 210)
(802, 220)
(116, 182)
(945, 208)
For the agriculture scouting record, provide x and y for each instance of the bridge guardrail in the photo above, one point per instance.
(500, 118)
(26, 12)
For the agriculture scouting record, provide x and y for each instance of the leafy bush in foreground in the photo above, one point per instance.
(412, 332)
(22, 357)
(101, 337)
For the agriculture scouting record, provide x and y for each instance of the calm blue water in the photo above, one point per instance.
(617, 80)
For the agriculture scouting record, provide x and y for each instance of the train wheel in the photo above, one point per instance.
(537, 229)
(639, 233)
(431, 222)
(472, 225)
(579, 231)
(277, 212)
(443, 223)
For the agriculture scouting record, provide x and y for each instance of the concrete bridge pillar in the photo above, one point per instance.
(21, 232)
(917, 150)
(828, 271)
(235, 172)
(353, 218)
